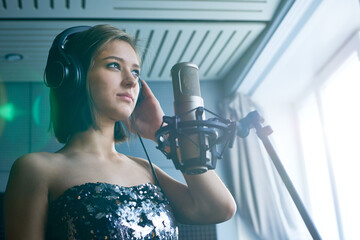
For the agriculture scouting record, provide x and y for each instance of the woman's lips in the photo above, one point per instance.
(125, 96)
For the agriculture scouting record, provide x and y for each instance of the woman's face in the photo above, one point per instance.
(114, 81)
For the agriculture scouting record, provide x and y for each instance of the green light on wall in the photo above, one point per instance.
(36, 110)
(7, 112)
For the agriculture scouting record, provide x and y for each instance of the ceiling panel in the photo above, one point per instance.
(212, 34)
(245, 10)
(213, 47)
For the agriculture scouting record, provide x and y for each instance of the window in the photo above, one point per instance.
(329, 125)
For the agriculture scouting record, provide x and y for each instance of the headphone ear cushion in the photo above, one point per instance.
(64, 75)
(56, 70)
(76, 77)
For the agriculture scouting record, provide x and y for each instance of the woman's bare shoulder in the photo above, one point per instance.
(34, 161)
(33, 166)
(144, 165)
(140, 161)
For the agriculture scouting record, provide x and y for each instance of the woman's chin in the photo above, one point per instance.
(123, 117)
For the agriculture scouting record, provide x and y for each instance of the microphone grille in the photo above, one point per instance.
(186, 79)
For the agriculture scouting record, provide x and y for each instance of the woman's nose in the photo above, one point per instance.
(129, 79)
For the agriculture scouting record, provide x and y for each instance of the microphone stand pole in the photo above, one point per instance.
(263, 133)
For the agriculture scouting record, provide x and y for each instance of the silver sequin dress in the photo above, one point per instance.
(109, 211)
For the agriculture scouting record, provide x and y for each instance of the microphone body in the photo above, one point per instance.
(187, 97)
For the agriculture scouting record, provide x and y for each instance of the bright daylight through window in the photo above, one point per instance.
(329, 123)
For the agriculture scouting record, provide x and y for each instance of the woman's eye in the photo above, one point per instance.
(136, 73)
(113, 65)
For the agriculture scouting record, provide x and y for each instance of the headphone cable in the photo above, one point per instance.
(148, 158)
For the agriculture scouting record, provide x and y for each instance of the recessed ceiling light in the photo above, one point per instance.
(13, 57)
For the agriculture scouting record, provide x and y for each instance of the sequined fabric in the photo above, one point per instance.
(109, 211)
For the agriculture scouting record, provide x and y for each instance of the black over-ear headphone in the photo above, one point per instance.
(64, 71)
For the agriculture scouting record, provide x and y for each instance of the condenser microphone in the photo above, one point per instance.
(187, 97)
(187, 138)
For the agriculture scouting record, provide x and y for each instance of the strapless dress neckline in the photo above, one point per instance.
(99, 210)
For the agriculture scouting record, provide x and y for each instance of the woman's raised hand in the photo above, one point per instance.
(148, 114)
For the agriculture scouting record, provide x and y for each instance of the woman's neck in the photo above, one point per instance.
(99, 142)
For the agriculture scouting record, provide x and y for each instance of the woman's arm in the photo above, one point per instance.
(205, 199)
(26, 198)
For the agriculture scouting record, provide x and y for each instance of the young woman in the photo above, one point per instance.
(88, 190)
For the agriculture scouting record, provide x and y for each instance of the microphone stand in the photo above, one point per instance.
(168, 134)
(254, 120)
